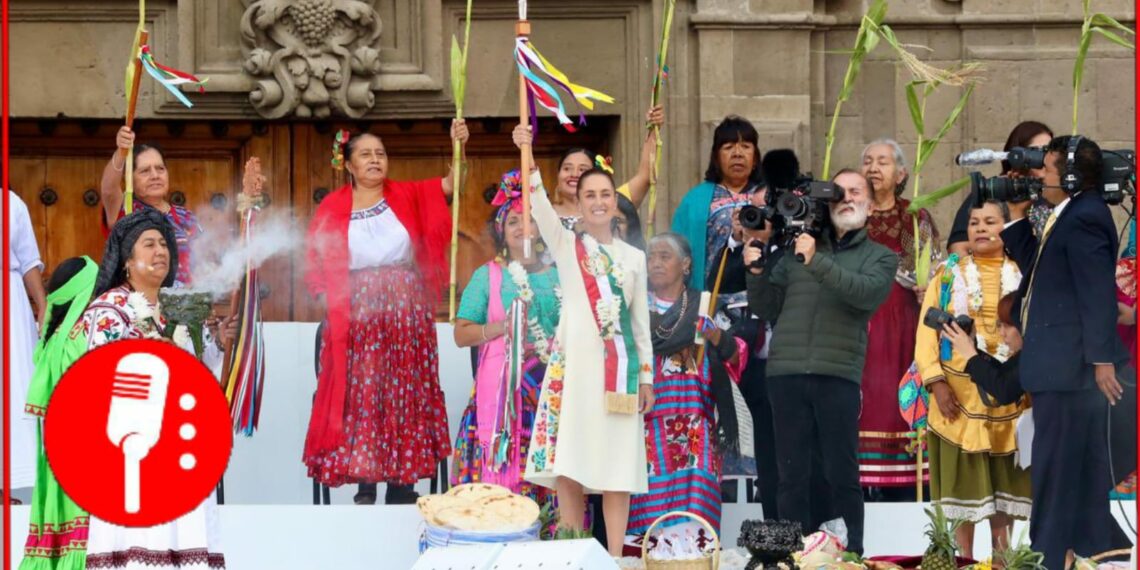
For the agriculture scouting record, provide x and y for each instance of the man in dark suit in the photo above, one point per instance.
(1068, 313)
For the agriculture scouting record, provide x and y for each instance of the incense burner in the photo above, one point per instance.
(770, 542)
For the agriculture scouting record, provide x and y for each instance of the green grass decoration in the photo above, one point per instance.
(1098, 23)
(459, 91)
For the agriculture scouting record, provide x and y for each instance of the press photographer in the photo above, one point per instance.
(821, 295)
(1068, 314)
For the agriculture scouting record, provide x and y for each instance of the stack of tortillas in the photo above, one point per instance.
(479, 507)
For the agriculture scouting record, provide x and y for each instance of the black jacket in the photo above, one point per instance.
(1072, 290)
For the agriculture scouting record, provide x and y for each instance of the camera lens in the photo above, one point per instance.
(752, 217)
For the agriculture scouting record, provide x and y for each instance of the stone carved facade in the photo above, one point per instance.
(311, 58)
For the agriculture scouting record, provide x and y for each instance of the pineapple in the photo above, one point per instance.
(1021, 557)
(940, 555)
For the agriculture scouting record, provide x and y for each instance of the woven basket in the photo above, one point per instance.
(710, 561)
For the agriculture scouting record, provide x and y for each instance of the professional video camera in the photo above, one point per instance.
(1118, 177)
(796, 203)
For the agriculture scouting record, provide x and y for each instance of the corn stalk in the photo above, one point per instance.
(1098, 23)
(658, 85)
(927, 79)
(865, 41)
(458, 90)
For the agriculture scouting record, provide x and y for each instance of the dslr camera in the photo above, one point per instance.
(796, 203)
(936, 318)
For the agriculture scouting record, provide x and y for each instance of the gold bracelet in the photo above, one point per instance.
(117, 168)
(483, 331)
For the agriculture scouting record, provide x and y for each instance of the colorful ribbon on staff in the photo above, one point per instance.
(545, 91)
(245, 381)
(169, 77)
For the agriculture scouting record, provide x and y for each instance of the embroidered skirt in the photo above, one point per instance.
(975, 486)
(468, 460)
(883, 458)
(395, 419)
(684, 467)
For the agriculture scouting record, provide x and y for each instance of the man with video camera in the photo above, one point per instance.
(821, 295)
(1068, 316)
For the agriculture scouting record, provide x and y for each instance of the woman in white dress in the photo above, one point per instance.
(589, 434)
(24, 268)
(141, 257)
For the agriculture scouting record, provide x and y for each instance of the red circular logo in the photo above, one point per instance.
(138, 432)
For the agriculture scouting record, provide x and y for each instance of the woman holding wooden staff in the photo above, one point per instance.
(589, 434)
(509, 310)
(377, 259)
(151, 190)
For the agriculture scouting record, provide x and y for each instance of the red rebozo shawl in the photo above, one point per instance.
(421, 208)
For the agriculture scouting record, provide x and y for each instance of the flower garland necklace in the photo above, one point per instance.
(598, 265)
(519, 277)
(971, 298)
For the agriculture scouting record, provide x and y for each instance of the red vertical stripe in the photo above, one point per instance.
(7, 496)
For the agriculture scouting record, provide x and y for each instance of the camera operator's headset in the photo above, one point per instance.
(1071, 181)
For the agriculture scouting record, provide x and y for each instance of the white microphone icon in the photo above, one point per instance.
(138, 399)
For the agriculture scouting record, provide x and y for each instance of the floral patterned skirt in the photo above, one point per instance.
(467, 462)
(395, 418)
(684, 467)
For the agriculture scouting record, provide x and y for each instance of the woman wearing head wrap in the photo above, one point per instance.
(377, 260)
(505, 301)
(151, 191)
(57, 532)
(685, 450)
(141, 257)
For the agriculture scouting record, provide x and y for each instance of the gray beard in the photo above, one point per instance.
(852, 221)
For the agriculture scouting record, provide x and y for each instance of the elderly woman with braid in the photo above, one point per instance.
(377, 261)
(694, 420)
(507, 300)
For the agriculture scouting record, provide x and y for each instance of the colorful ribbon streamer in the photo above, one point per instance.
(246, 379)
(169, 77)
(545, 91)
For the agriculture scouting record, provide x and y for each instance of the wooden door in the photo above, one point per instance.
(56, 167)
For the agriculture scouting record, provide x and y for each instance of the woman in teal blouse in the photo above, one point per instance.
(510, 312)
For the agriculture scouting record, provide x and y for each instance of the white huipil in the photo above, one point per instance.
(600, 450)
(23, 333)
(193, 540)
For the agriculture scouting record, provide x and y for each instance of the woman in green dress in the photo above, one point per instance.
(505, 301)
(57, 534)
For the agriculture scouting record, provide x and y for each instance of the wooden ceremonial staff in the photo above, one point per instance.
(712, 302)
(522, 30)
(134, 73)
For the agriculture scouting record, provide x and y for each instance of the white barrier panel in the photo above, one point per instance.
(567, 554)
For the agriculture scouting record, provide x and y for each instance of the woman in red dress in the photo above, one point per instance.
(884, 464)
(377, 261)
